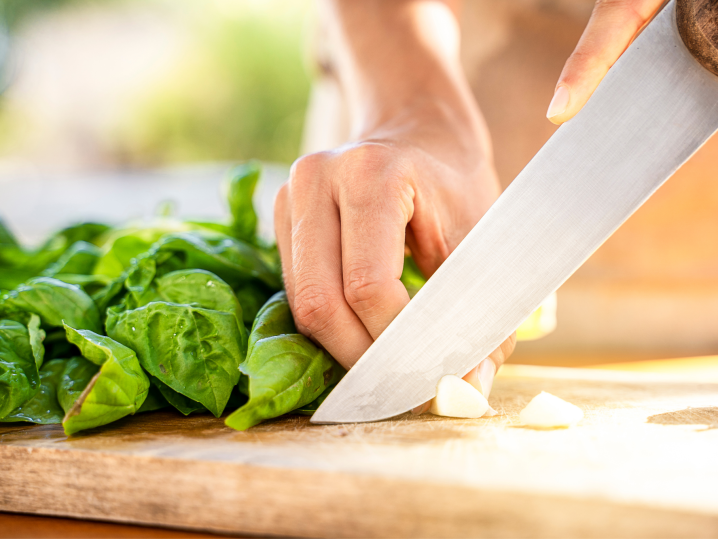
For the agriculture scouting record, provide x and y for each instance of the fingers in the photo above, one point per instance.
(372, 237)
(612, 27)
(283, 232)
(314, 268)
(482, 376)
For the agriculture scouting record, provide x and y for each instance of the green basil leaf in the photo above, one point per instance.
(56, 345)
(90, 284)
(195, 351)
(44, 407)
(19, 369)
(54, 301)
(274, 318)
(122, 246)
(17, 265)
(154, 400)
(234, 261)
(73, 381)
(411, 277)
(37, 336)
(240, 190)
(183, 404)
(202, 288)
(251, 297)
(110, 294)
(286, 370)
(117, 390)
(88, 231)
(79, 259)
(139, 286)
(313, 406)
(7, 238)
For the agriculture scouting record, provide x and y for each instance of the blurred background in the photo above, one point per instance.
(109, 107)
(128, 84)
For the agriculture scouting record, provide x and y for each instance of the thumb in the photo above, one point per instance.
(614, 24)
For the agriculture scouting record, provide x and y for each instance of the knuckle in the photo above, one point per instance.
(307, 167)
(626, 12)
(362, 289)
(368, 154)
(314, 309)
(610, 5)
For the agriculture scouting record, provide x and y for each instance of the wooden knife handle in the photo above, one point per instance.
(698, 25)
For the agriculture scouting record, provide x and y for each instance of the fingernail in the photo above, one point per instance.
(487, 371)
(559, 103)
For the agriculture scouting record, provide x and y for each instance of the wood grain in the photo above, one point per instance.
(616, 474)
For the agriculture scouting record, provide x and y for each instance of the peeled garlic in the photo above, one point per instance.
(458, 398)
(546, 411)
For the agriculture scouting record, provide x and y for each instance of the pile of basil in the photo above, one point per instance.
(100, 323)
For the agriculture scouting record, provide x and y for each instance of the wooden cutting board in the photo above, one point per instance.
(643, 463)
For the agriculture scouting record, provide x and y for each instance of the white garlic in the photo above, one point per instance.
(458, 398)
(547, 411)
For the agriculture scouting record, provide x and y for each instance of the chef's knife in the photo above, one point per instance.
(657, 105)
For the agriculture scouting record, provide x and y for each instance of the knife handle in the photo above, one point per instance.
(698, 25)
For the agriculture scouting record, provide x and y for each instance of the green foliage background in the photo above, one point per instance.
(240, 94)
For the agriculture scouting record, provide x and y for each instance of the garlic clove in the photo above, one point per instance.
(458, 398)
(548, 411)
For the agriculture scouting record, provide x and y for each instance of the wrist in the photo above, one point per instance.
(447, 130)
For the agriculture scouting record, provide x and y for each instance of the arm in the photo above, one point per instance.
(419, 173)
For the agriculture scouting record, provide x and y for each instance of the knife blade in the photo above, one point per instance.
(656, 106)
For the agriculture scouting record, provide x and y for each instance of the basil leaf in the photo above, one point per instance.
(241, 185)
(183, 404)
(44, 407)
(200, 287)
(286, 370)
(73, 381)
(88, 231)
(122, 246)
(19, 366)
(37, 336)
(313, 406)
(7, 238)
(154, 400)
(274, 318)
(411, 277)
(251, 297)
(54, 301)
(79, 259)
(110, 294)
(234, 261)
(56, 345)
(194, 350)
(117, 390)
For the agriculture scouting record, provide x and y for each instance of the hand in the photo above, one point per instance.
(343, 219)
(420, 174)
(614, 24)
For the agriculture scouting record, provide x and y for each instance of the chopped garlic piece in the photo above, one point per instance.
(458, 398)
(546, 411)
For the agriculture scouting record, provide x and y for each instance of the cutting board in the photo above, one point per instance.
(643, 463)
